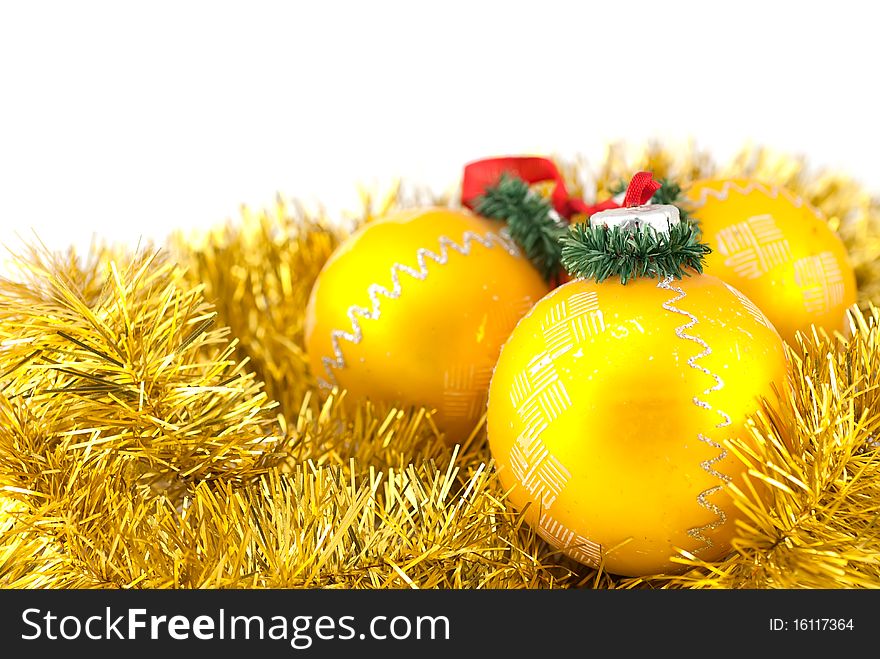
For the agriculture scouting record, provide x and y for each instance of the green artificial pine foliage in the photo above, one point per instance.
(531, 222)
(601, 252)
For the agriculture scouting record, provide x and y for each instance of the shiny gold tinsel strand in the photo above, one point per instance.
(159, 426)
(118, 395)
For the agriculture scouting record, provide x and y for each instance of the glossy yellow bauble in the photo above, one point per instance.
(413, 308)
(777, 250)
(607, 410)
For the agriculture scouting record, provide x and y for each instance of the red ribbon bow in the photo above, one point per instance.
(480, 174)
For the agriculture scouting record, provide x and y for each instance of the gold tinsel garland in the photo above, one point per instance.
(159, 427)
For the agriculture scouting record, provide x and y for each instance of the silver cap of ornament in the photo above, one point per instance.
(660, 217)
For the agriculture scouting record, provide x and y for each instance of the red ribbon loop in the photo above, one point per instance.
(641, 188)
(481, 174)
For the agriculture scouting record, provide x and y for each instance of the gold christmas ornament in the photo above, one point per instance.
(413, 308)
(778, 250)
(612, 401)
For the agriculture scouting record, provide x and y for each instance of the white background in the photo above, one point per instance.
(127, 120)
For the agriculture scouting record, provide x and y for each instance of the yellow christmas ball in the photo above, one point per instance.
(412, 309)
(608, 409)
(776, 249)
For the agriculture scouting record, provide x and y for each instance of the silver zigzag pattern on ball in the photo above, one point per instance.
(377, 291)
(698, 533)
(771, 191)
